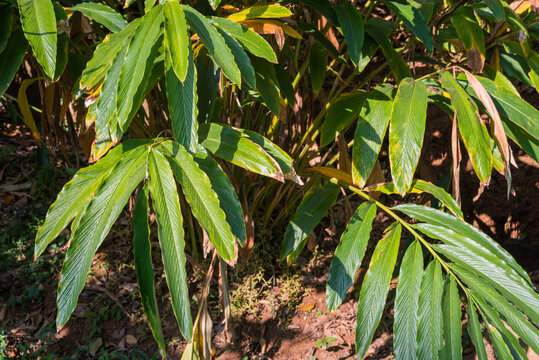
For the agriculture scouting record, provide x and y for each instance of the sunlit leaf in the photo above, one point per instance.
(166, 205)
(102, 14)
(429, 327)
(406, 131)
(39, 26)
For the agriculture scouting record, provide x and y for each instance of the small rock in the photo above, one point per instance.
(94, 346)
(130, 340)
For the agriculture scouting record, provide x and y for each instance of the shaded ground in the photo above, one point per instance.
(279, 312)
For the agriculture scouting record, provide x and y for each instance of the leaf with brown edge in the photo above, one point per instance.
(498, 130)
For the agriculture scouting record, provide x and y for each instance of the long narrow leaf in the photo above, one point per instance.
(78, 192)
(166, 205)
(182, 101)
(310, 211)
(202, 198)
(406, 303)
(228, 200)
(214, 43)
(143, 266)
(406, 131)
(429, 328)
(229, 144)
(177, 42)
(349, 254)
(375, 288)
(94, 226)
(452, 325)
(474, 330)
(102, 14)
(436, 217)
(39, 26)
(370, 131)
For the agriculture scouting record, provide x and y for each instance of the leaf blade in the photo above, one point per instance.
(171, 237)
(375, 287)
(102, 14)
(406, 131)
(39, 25)
(406, 302)
(349, 254)
(142, 252)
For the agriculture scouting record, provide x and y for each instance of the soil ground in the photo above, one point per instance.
(278, 311)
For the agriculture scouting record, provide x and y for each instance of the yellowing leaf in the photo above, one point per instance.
(333, 173)
(261, 11)
(26, 113)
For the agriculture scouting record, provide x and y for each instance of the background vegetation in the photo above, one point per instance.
(206, 133)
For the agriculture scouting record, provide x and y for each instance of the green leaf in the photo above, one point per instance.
(474, 330)
(62, 42)
(399, 68)
(527, 142)
(370, 132)
(310, 211)
(340, 114)
(512, 316)
(39, 26)
(349, 254)
(470, 128)
(496, 7)
(279, 155)
(105, 110)
(228, 200)
(318, 63)
(267, 85)
(177, 43)
(228, 143)
(6, 23)
(439, 194)
(352, 28)
(375, 288)
(214, 43)
(78, 192)
(241, 58)
(214, 3)
(148, 4)
(452, 325)
(406, 131)
(406, 303)
(94, 226)
(501, 349)
(492, 317)
(512, 108)
(468, 30)
(413, 19)
(204, 202)
(429, 328)
(261, 11)
(11, 58)
(507, 282)
(171, 237)
(104, 54)
(134, 66)
(143, 265)
(102, 14)
(249, 39)
(436, 217)
(182, 102)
